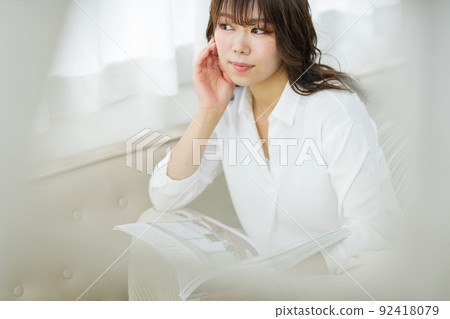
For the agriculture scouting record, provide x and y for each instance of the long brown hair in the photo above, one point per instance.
(296, 41)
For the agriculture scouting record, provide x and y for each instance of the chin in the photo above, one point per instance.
(241, 81)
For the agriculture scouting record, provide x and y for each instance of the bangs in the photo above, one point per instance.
(242, 12)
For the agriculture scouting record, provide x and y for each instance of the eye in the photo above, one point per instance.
(223, 26)
(261, 30)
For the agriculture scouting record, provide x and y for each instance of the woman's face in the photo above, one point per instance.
(251, 45)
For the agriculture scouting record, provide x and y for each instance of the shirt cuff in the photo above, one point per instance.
(160, 178)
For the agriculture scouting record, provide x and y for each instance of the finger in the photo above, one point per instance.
(202, 56)
(205, 49)
(212, 54)
(199, 63)
(206, 52)
(206, 58)
(214, 49)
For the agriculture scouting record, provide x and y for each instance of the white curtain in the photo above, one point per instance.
(122, 66)
(113, 49)
(363, 34)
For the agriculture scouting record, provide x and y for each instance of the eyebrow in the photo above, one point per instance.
(252, 21)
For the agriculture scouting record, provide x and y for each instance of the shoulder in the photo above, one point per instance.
(344, 105)
(334, 115)
(333, 109)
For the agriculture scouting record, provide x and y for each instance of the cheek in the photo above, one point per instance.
(221, 45)
(271, 58)
(268, 50)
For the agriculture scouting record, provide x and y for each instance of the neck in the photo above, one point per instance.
(266, 93)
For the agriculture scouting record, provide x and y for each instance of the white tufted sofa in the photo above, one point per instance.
(67, 241)
(64, 246)
(66, 237)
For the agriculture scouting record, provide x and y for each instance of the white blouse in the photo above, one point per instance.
(326, 171)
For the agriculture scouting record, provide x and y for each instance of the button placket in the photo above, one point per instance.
(273, 153)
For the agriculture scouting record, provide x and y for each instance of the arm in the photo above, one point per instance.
(167, 192)
(181, 164)
(366, 200)
(215, 90)
(177, 179)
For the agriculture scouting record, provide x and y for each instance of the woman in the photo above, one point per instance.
(298, 149)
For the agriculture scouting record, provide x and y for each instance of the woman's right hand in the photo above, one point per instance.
(213, 85)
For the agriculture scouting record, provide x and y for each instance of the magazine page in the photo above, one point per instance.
(214, 243)
(287, 257)
(186, 263)
(261, 265)
(193, 245)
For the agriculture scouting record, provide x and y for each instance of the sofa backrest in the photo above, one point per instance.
(64, 225)
(66, 247)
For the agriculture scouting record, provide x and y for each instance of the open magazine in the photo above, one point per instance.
(207, 254)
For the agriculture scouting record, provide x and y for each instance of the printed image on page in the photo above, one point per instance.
(213, 242)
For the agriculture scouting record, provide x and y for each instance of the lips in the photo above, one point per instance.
(241, 67)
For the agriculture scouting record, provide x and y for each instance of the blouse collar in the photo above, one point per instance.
(284, 110)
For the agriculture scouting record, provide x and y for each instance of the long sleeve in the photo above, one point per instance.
(167, 193)
(361, 179)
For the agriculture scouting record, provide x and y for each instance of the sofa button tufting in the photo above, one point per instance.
(18, 290)
(123, 202)
(67, 273)
(76, 215)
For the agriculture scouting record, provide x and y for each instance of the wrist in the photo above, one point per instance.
(209, 115)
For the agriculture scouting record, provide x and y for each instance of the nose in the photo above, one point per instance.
(241, 45)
